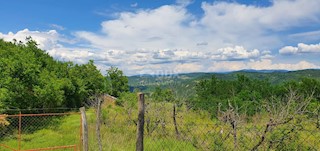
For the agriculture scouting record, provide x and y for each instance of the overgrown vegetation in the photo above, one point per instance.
(30, 78)
(249, 95)
(222, 112)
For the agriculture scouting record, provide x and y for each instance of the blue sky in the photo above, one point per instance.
(173, 36)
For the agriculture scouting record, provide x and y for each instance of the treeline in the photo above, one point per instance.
(30, 78)
(249, 95)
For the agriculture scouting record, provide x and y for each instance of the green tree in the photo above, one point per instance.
(30, 78)
(163, 95)
(116, 82)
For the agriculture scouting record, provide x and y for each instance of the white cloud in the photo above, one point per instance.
(269, 65)
(228, 36)
(188, 67)
(287, 50)
(266, 54)
(264, 64)
(51, 41)
(58, 27)
(301, 48)
(223, 15)
(236, 53)
(160, 28)
(222, 25)
(225, 66)
(46, 40)
(312, 48)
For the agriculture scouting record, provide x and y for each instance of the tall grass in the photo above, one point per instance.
(197, 131)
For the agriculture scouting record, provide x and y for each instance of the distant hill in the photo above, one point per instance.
(176, 81)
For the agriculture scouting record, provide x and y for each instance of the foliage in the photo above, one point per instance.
(3, 120)
(117, 82)
(163, 95)
(148, 83)
(247, 94)
(197, 130)
(30, 78)
(127, 99)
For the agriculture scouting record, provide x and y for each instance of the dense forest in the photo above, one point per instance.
(30, 78)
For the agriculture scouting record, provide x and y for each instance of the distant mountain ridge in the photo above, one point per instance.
(227, 72)
(148, 82)
(263, 71)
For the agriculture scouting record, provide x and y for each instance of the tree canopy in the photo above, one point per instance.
(117, 82)
(30, 78)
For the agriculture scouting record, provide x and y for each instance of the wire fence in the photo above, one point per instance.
(167, 126)
(41, 131)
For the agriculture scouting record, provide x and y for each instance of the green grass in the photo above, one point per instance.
(63, 131)
(196, 132)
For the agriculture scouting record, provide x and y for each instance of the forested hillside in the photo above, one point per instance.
(189, 80)
(30, 78)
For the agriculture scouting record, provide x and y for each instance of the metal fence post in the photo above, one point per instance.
(20, 123)
(84, 129)
(140, 124)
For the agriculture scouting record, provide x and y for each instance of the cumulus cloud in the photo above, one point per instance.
(287, 50)
(228, 36)
(248, 17)
(301, 48)
(264, 64)
(312, 48)
(269, 65)
(236, 53)
(266, 54)
(46, 40)
(52, 42)
(146, 29)
(222, 25)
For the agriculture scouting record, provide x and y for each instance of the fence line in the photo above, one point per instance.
(165, 126)
(170, 126)
(28, 132)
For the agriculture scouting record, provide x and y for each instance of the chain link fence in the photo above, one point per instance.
(168, 126)
(40, 131)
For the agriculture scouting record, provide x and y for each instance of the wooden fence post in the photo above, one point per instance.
(140, 124)
(98, 122)
(85, 144)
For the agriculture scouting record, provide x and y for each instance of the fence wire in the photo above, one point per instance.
(45, 131)
(170, 127)
(167, 127)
